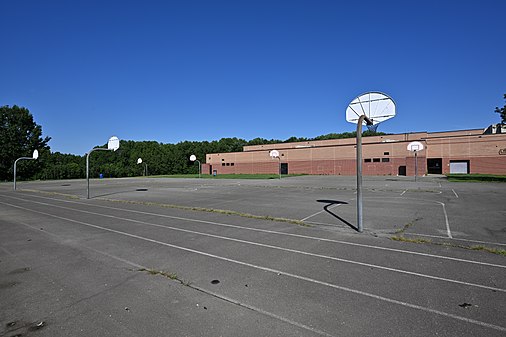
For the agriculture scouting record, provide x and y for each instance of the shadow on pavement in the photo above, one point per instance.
(336, 202)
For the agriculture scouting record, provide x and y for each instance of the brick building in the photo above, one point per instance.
(465, 151)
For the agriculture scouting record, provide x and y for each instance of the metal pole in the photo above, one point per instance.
(15, 164)
(88, 168)
(416, 165)
(146, 169)
(88, 175)
(199, 167)
(15, 173)
(360, 226)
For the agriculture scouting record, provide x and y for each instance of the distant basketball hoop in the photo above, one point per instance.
(275, 155)
(415, 147)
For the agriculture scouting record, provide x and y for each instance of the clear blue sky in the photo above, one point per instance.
(171, 71)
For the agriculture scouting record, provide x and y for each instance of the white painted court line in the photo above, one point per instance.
(331, 207)
(447, 223)
(404, 192)
(222, 297)
(455, 193)
(460, 239)
(278, 272)
(448, 232)
(281, 248)
(278, 233)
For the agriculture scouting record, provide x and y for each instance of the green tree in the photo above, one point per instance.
(19, 136)
(502, 112)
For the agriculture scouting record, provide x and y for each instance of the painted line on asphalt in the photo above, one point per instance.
(315, 214)
(395, 250)
(192, 286)
(460, 239)
(448, 232)
(447, 223)
(327, 257)
(278, 272)
(404, 192)
(455, 193)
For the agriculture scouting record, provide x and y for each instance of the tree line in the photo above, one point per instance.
(20, 135)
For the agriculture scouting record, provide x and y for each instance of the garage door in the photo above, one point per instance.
(459, 167)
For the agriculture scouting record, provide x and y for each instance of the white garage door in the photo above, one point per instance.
(459, 167)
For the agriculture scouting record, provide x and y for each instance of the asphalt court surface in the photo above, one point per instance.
(131, 262)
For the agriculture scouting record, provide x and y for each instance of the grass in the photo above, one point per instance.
(212, 210)
(171, 276)
(496, 251)
(476, 178)
(227, 176)
(404, 239)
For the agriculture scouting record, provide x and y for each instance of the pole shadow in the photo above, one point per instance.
(119, 192)
(336, 202)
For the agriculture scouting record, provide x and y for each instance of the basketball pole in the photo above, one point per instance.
(88, 168)
(361, 119)
(416, 165)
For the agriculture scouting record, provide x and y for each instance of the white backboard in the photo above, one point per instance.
(113, 143)
(193, 157)
(415, 146)
(377, 106)
(139, 161)
(35, 154)
(274, 154)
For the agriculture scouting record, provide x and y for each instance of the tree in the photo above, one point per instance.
(502, 112)
(19, 136)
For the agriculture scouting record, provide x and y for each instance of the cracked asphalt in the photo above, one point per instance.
(136, 260)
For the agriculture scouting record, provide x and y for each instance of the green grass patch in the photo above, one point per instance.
(481, 248)
(476, 178)
(489, 250)
(403, 239)
(211, 210)
(168, 275)
(228, 176)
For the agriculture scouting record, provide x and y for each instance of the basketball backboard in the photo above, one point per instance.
(415, 146)
(274, 154)
(113, 143)
(377, 106)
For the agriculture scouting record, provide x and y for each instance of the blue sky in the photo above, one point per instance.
(171, 71)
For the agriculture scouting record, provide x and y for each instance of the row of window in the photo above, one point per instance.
(377, 160)
(227, 164)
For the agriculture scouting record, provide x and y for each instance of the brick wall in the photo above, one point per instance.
(381, 155)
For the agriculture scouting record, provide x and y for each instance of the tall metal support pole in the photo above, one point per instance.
(88, 169)
(15, 165)
(200, 169)
(88, 175)
(359, 171)
(416, 165)
(279, 167)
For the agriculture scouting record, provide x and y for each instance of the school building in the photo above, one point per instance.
(465, 151)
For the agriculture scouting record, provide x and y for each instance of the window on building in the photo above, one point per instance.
(385, 160)
(228, 164)
(231, 164)
(222, 164)
(386, 153)
(368, 160)
(375, 160)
